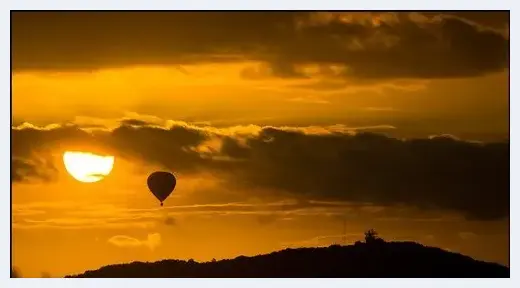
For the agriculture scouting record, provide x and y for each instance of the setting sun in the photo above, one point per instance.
(87, 167)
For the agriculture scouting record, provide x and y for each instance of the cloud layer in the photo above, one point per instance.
(310, 163)
(151, 242)
(364, 46)
(52, 215)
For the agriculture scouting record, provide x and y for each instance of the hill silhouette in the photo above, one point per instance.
(373, 258)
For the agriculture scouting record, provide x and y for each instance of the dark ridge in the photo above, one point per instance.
(373, 259)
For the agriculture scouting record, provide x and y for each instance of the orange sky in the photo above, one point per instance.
(242, 107)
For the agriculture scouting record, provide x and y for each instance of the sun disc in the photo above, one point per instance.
(87, 167)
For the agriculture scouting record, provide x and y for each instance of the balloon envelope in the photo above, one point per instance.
(161, 184)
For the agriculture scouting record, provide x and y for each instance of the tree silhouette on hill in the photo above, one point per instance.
(372, 237)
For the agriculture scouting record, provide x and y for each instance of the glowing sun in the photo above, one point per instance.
(87, 167)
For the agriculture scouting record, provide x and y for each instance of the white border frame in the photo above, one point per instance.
(5, 209)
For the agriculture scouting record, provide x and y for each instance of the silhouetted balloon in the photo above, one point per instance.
(161, 184)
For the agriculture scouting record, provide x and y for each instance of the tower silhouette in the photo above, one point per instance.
(344, 238)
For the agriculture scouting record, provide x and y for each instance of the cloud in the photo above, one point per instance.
(152, 241)
(260, 211)
(437, 173)
(309, 100)
(69, 223)
(361, 45)
(334, 163)
(80, 215)
(170, 221)
(175, 145)
(380, 109)
(31, 169)
(20, 170)
(491, 20)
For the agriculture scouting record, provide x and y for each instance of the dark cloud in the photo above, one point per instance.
(492, 19)
(432, 173)
(441, 172)
(134, 122)
(20, 170)
(28, 139)
(166, 147)
(170, 221)
(362, 45)
(32, 169)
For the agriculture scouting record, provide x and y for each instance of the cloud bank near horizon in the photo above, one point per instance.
(334, 163)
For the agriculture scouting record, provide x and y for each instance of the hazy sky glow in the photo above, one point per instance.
(272, 122)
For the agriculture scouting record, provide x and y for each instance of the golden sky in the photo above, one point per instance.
(272, 123)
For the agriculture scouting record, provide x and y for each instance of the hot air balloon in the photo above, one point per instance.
(161, 184)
